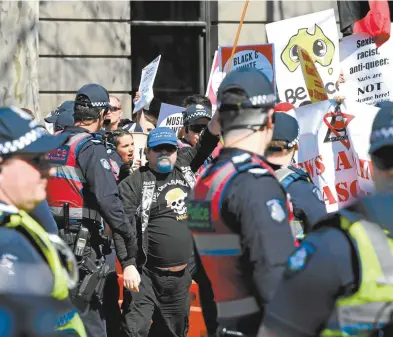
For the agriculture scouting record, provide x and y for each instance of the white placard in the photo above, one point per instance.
(171, 116)
(334, 149)
(140, 139)
(367, 70)
(146, 85)
(317, 34)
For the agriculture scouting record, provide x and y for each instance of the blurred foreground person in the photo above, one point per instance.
(339, 282)
(32, 262)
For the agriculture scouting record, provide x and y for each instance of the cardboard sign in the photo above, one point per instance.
(333, 149)
(146, 85)
(260, 57)
(368, 70)
(215, 79)
(140, 139)
(315, 87)
(317, 34)
(171, 116)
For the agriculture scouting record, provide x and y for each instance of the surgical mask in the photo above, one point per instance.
(164, 164)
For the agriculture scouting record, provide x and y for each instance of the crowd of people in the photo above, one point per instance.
(220, 203)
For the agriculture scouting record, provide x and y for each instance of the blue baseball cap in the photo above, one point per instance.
(162, 135)
(63, 116)
(382, 129)
(195, 111)
(286, 128)
(20, 134)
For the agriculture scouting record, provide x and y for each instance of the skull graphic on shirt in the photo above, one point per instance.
(175, 199)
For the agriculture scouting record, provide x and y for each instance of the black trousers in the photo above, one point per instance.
(164, 298)
(209, 309)
(111, 298)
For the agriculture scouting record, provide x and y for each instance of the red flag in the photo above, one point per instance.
(376, 22)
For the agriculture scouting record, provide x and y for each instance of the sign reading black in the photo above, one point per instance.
(199, 216)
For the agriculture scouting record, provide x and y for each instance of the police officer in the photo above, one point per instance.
(82, 193)
(239, 212)
(307, 200)
(32, 262)
(63, 116)
(339, 281)
(195, 120)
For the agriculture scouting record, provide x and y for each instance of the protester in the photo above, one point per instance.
(33, 262)
(155, 195)
(113, 117)
(82, 193)
(147, 120)
(244, 243)
(308, 203)
(338, 280)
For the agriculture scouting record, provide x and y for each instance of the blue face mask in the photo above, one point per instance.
(164, 164)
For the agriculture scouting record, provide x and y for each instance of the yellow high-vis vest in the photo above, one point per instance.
(22, 222)
(370, 307)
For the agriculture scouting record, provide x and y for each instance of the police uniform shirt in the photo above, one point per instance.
(101, 192)
(255, 206)
(44, 217)
(22, 268)
(317, 273)
(307, 200)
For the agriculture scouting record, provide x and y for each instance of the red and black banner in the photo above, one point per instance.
(373, 17)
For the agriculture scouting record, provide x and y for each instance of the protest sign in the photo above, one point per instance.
(314, 84)
(171, 116)
(215, 79)
(367, 70)
(334, 149)
(146, 85)
(317, 34)
(259, 56)
(140, 139)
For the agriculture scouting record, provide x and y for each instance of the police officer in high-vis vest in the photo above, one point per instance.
(239, 212)
(339, 282)
(307, 200)
(33, 263)
(83, 195)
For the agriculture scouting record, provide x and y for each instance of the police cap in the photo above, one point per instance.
(244, 98)
(381, 139)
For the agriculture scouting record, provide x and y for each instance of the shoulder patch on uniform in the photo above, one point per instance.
(105, 164)
(241, 158)
(96, 141)
(318, 194)
(258, 171)
(299, 259)
(276, 210)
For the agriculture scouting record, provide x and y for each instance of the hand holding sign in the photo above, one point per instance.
(146, 84)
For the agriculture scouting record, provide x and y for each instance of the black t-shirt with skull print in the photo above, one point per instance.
(170, 240)
(168, 236)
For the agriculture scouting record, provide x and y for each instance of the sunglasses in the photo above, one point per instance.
(197, 128)
(40, 162)
(164, 147)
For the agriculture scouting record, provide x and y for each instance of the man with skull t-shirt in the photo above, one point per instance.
(154, 198)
